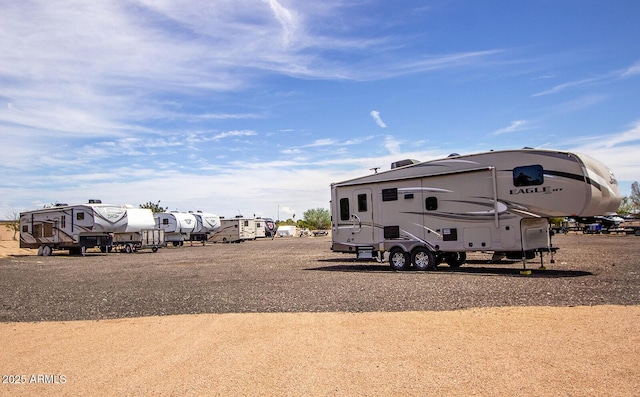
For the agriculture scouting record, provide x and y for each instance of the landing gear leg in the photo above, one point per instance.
(524, 271)
(542, 262)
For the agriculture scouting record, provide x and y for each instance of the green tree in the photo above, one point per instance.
(154, 207)
(319, 218)
(626, 207)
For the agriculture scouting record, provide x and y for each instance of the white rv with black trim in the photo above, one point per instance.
(421, 213)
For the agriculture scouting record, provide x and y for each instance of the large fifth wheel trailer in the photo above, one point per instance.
(140, 232)
(206, 223)
(71, 227)
(177, 226)
(421, 213)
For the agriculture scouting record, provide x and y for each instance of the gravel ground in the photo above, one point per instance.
(287, 317)
(303, 275)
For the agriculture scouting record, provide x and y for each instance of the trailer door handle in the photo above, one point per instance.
(355, 218)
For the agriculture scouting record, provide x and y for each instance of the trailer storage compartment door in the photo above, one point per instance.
(535, 233)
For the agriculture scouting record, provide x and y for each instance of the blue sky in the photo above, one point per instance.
(257, 106)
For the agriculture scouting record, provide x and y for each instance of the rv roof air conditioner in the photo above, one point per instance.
(95, 201)
(402, 163)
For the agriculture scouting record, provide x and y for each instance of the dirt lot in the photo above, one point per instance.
(289, 317)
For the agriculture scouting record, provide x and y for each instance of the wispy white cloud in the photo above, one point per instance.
(618, 150)
(517, 125)
(236, 133)
(632, 71)
(579, 103)
(565, 86)
(287, 19)
(376, 117)
(321, 142)
(604, 77)
(392, 145)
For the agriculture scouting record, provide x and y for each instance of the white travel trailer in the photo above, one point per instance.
(234, 230)
(423, 213)
(71, 227)
(177, 226)
(286, 231)
(139, 231)
(206, 223)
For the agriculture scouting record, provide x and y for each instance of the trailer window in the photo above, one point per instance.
(431, 203)
(165, 221)
(390, 194)
(362, 202)
(80, 216)
(63, 221)
(344, 209)
(530, 175)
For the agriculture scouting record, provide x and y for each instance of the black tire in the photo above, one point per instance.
(46, 251)
(398, 259)
(128, 248)
(154, 249)
(456, 259)
(422, 259)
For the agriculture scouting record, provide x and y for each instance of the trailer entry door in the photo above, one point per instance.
(362, 216)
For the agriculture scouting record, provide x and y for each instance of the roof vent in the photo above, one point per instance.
(403, 163)
(95, 201)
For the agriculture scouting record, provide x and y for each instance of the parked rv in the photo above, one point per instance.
(206, 223)
(71, 227)
(139, 232)
(269, 227)
(286, 231)
(234, 230)
(423, 213)
(177, 226)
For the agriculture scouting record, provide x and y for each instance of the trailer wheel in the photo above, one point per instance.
(456, 259)
(46, 250)
(128, 248)
(40, 250)
(154, 249)
(398, 259)
(423, 259)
